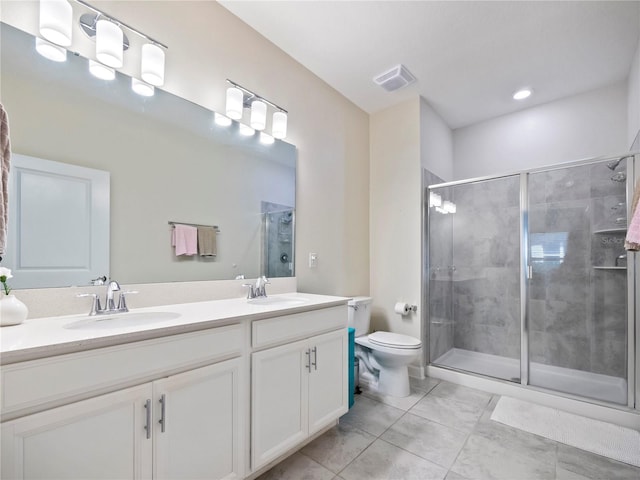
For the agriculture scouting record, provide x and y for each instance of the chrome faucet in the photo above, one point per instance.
(110, 304)
(259, 289)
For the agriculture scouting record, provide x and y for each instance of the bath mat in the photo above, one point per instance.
(602, 438)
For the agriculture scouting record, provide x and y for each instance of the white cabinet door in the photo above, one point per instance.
(196, 417)
(99, 438)
(328, 380)
(279, 407)
(297, 389)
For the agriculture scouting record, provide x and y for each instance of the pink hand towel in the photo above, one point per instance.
(632, 242)
(185, 239)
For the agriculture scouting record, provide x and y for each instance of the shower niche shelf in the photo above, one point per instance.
(612, 230)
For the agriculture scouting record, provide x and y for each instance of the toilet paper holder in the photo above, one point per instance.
(404, 308)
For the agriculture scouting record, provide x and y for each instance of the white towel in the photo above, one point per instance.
(5, 159)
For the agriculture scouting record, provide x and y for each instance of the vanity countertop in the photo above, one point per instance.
(45, 337)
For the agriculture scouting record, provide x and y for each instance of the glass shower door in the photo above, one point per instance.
(577, 291)
(474, 277)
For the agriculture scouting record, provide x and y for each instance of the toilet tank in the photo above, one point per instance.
(360, 314)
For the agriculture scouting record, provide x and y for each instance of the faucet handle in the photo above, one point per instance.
(95, 305)
(251, 290)
(122, 301)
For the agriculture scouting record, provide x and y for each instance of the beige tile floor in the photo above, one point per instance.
(441, 431)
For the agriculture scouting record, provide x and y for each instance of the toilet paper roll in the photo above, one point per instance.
(402, 308)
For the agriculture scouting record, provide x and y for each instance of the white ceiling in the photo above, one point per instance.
(468, 56)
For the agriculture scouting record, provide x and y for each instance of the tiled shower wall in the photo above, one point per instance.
(577, 312)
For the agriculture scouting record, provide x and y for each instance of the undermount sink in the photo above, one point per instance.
(119, 320)
(277, 301)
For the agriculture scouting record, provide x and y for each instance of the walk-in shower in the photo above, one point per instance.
(528, 281)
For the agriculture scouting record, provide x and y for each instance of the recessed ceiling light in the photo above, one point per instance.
(522, 94)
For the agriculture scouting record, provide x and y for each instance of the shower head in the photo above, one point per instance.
(619, 177)
(613, 164)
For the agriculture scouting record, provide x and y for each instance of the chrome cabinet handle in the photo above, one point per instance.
(147, 426)
(315, 358)
(308, 354)
(163, 418)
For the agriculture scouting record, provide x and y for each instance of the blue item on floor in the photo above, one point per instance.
(352, 335)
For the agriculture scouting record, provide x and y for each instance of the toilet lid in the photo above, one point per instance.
(394, 340)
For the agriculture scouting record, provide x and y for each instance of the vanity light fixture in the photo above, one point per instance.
(266, 139)
(221, 120)
(112, 41)
(142, 88)
(522, 94)
(109, 43)
(101, 71)
(51, 51)
(245, 130)
(152, 64)
(239, 98)
(56, 21)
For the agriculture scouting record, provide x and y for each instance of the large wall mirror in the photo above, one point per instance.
(168, 162)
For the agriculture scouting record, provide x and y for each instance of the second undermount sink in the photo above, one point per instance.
(276, 301)
(119, 320)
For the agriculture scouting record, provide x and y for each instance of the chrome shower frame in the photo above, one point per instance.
(632, 160)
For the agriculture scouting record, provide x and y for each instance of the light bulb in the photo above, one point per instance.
(142, 88)
(279, 125)
(245, 130)
(109, 46)
(55, 21)
(258, 114)
(221, 120)
(152, 64)
(266, 139)
(101, 71)
(51, 51)
(522, 94)
(234, 103)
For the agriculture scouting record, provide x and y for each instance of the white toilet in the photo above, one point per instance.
(384, 356)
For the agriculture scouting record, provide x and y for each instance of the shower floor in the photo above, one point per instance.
(577, 382)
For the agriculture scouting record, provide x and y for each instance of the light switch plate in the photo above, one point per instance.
(313, 260)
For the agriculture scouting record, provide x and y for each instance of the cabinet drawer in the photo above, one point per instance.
(273, 331)
(38, 384)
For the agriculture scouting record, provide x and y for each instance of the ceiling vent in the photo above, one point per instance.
(395, 78)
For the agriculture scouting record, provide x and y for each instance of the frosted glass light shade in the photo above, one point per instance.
(152, 64)
(101, 71)
(234, 103)
(266, 139)
(245, 130)
(435, 200)
(221, 120)
(279, 126)
(258, 114)
(55, 21)
(51, 51)
(109, 46)
(142, 88)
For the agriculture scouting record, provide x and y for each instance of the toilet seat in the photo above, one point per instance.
(395, 340)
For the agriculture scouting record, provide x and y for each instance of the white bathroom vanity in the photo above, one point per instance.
(217, 390)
